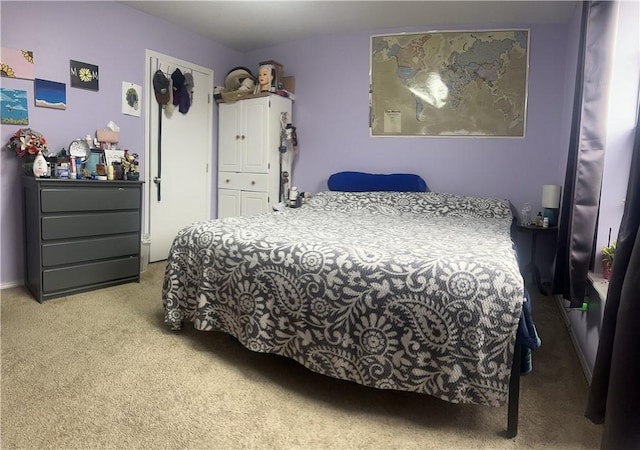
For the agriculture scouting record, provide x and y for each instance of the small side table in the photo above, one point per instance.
(535, 231)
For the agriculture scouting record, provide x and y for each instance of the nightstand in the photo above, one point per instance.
(531, 266)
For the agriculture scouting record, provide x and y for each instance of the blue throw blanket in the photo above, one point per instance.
(527, 335)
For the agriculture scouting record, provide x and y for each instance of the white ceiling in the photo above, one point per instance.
(251, 25)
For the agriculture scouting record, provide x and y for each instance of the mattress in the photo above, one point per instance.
(414, 291)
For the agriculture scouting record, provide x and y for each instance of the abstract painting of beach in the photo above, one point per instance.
(50, 94)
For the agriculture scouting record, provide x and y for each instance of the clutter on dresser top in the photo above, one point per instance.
(97, 157)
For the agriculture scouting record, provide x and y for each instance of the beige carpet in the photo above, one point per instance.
(99, 370)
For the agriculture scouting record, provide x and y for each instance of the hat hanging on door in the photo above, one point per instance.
(188, 81)
(178, 85)
(181, 92)
(161, 87)
(185, 98)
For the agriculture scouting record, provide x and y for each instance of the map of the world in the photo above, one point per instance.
(471, 83)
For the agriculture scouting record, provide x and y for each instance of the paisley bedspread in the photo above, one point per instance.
(418, 292)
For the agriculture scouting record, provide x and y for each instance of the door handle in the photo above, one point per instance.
(156, 180)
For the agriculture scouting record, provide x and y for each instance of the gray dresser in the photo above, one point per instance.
(80, 235)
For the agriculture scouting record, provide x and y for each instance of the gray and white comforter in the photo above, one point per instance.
(411, 291)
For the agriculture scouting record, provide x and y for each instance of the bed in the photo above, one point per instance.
(413, 291)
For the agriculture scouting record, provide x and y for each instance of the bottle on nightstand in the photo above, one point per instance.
(539, 219)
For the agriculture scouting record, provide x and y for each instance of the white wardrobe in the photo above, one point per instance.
(249, 160)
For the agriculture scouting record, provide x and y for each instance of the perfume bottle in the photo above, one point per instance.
(293, 197)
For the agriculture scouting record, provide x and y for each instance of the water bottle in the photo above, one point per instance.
(526, 214)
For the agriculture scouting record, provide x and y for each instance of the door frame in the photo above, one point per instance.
(150, 57)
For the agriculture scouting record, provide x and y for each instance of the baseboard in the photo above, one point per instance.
(10, 284)
(565, 317)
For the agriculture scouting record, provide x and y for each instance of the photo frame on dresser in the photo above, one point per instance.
(113, 156)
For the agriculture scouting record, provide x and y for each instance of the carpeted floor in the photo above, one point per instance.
(99, 370)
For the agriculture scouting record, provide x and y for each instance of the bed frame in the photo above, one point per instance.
(514, 393)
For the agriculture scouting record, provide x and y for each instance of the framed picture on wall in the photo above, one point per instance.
(131, 94)
(449, 83)
(50, 94)
(13, 107)
(84, 75)
(17, 63)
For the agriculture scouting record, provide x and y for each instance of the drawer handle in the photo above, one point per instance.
(252, 183)
(227, 180)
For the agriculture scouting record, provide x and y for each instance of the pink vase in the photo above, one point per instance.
(606, 269)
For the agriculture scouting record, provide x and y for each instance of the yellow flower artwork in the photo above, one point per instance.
(16, 63)
(83, 75)
(7, 71)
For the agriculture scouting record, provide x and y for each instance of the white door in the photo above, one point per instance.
(178, 177)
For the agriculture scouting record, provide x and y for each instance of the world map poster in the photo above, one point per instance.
(451, 83)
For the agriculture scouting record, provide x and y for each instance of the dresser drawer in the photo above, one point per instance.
(82, 225)
(81, 275)
(81, 250)
(87, 198)
(243, 181)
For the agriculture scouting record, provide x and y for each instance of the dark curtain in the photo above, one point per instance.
(614, 397)
(583, 178)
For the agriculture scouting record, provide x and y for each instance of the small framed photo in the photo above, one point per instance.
(113, 156)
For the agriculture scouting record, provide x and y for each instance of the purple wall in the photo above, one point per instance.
(106, 34)
(331, 116)
(331, 108)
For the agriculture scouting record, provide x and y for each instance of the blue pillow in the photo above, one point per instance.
(363, 182)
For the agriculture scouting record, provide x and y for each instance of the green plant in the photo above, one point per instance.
(608, 252)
